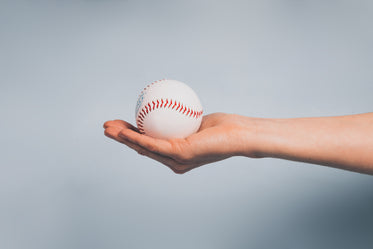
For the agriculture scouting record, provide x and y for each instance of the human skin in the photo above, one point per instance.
(344, 142)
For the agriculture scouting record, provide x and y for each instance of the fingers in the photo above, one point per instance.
(120, 123)
(176, 150)
(159, 146)
(130, 133)
(114, 132)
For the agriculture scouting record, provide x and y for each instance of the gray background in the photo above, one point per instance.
(68, 66)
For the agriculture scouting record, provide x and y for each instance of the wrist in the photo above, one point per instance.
(258, 137)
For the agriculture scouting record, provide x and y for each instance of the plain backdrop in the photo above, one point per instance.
(68, 66)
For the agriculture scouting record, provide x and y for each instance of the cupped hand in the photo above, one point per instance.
(219, 137)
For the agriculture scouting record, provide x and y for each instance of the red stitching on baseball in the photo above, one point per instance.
(156, 104)
(154, 82)
(148, 108)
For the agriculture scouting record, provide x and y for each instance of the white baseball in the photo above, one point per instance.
(168, 109)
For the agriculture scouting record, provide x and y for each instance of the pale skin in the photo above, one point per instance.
(344, 142)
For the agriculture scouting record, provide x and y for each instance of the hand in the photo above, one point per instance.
(343, 142)
(220, 136)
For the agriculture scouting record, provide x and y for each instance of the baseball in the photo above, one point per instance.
(168, 109)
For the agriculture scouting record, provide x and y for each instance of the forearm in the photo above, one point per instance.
(342, 142)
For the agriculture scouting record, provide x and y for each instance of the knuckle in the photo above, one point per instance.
(183, 158)
(168, 164)
(151, 147)
(141, 152)
(179, 168)
(177, 171)
(182, 151)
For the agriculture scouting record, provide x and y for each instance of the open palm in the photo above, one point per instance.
(220, 136)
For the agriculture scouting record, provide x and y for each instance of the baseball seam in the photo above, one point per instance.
(141, 95)
(148, 86)
(165, 103)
